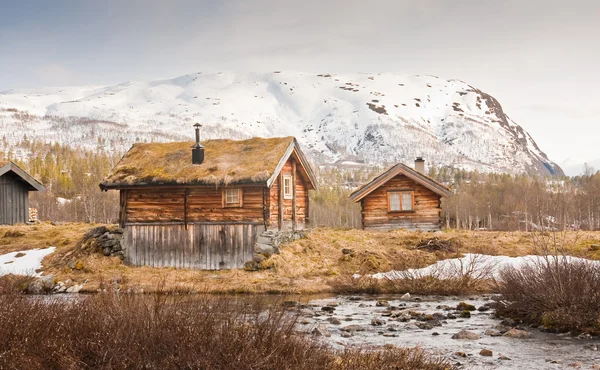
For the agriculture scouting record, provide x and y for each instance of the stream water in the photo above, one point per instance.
(360, 321)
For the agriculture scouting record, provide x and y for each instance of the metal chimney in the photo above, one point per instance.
(198, 150)
(420, 165)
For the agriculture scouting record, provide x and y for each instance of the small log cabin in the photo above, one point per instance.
(401, 198)
(15, 185)
(203, 205)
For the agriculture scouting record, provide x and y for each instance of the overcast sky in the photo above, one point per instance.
(540, 59)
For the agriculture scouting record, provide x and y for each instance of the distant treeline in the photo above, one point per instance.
(71, 177)
(480, 201)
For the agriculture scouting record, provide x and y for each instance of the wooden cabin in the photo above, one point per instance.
(15, 185)
(203, 205)
(401, 198)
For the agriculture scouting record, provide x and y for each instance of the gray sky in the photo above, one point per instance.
(540, 59)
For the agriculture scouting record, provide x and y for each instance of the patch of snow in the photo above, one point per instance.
(24, 265)
(475, 264)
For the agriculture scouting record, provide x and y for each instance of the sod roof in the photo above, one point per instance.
(225, 162)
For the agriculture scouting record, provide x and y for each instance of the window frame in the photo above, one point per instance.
(289, 195)
(401, 193)
(239, 203)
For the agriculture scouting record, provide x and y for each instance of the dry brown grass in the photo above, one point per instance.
(43, 235)
(312, 265)
(121, 331)
(226, 161)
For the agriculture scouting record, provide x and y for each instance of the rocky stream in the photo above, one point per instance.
(463, 330)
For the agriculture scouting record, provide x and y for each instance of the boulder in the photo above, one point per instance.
(74, 288)
(468, 335)
(251, 266)
(261, 248)
(258, 258)
(382, 303)
(405, 297)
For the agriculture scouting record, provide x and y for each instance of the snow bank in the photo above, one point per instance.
(479, 265)
(24, 265)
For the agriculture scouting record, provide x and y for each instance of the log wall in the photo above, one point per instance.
(425, 216)
(203, 204)
(200, 246)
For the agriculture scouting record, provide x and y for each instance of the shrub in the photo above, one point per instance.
(111, 331)
(555, 291)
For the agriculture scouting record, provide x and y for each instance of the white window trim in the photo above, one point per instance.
(228, 194)
(290, 194)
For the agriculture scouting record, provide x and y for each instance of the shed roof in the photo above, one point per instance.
(32, 184)
(399, 169)
(256, 160)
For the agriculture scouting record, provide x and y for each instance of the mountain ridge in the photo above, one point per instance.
(366, 118)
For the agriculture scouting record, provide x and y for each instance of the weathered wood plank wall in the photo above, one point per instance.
(201, 246)
(426, 214)
(14, 200)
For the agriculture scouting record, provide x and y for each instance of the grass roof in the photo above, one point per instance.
(225, 162)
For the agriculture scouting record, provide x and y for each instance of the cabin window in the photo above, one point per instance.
(232, 197)
(287, 187)
(400, 201)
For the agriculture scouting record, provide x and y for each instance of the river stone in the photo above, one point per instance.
(346, 334)
(405, 297)
(382, 303)
(516, 333)
(401, 316)
(334, 321)
(466, 314)
(463, 306)
(493, 333)
(321, 331)
(486, 353)
(376, 321)
(327, 308)
(352, 328)
(502, 357)
(464, 334)
(425, 326)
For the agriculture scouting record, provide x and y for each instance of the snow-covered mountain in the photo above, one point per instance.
(370, 118)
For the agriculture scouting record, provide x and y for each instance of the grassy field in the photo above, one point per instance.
(312, 265)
